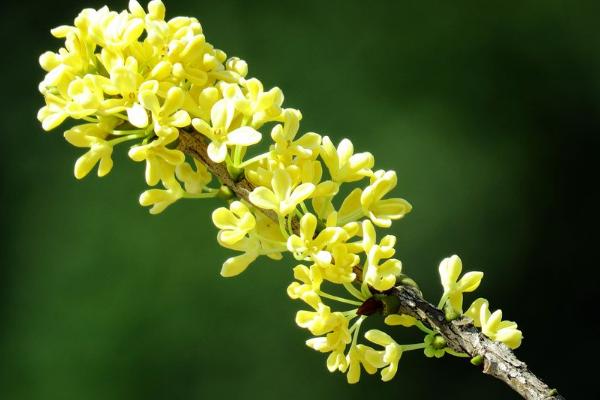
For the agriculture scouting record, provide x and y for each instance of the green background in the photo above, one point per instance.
(488, 111)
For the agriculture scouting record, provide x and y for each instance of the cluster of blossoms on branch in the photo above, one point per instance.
(134, 77)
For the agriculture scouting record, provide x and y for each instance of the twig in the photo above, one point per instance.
(498, 360)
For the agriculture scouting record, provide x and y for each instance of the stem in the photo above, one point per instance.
(200, 195)
(126, 138)
(253, 160)
(423, 328)
(416, 346)
(237, 156)
(443, 301)
(354, 291)
(127, 132)
(340, 299)
(455, 353)
(303, 207)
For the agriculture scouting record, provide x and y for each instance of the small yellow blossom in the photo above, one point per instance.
(311, 283)
(492, 325)
(219, 133)
(387, 359)
(160, 199)
(383, 211)
(380, 275)
(160, 160)
(285, 146)
(168, 116)
(339, 268)
(92, 136)
(343, 164)
(355, 358)
(310, 245)
(318, 322)
(250, 246)
(234, 222)
(450, 269)
(260, 106)
(337, 338)
(194, 181)
(285, 195)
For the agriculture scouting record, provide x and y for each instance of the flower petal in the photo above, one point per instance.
(236, 265)
(244, 136)
(137, 116)
(217, 151)
(264, 198)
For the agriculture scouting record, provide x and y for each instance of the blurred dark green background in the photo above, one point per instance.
(488, 111)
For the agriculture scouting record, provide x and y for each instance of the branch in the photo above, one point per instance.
(194, 145)
(461, 336)
(498, 360)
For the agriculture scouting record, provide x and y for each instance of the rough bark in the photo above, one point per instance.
(461, 336)
(498, 360)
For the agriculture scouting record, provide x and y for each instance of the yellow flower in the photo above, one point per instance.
(52, 114)
(221, 117)
(85, 96)
(194, 181)
(160, 160)
(283, 135)
(114, 30)
(318, 322)
(334, 342)
(92, 136)
(311, 283)
(388, 358)
(161, 199)
(382, 212)
(381, 276)
(234, 222)
(261, 106)
(285, 195)
(250, 246)
(265, 240)
(450, 269)
(310, 245)
(339, 268)
(355, 358)
(343, 164)
(492, 325)
(336, 361)
(168, 116)
(271, 239)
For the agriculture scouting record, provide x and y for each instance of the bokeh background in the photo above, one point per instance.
(488, 111)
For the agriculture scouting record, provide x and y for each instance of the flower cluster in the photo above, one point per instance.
(134, 77)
